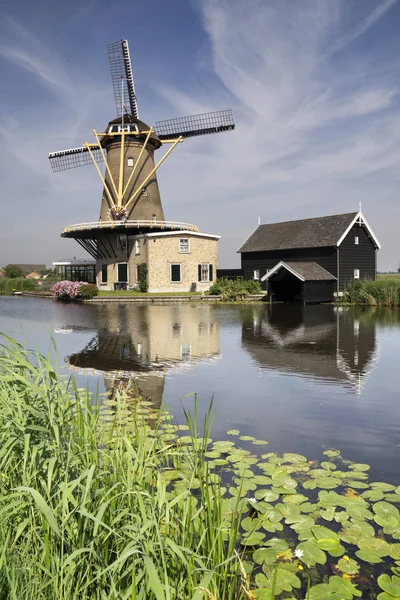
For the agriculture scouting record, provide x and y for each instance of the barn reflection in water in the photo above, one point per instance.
(323, 342)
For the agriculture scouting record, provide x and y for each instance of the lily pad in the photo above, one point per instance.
(233, 432)
(369, 556)
(390, 587)
(266, 495)
(311, 553)
(359, 467)
(348, 566)
(264, 555)
(254, 539)
(327, 483)
(374, 495)
(384, 509)
(331, 453)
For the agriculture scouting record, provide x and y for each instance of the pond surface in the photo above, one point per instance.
(303, 378)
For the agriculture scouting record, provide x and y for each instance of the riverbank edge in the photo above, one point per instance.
(148, 299)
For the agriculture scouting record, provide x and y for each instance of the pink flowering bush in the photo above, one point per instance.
(67, 290)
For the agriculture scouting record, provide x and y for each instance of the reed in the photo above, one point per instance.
(87, 509)
(381, 292)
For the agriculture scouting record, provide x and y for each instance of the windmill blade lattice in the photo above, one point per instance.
(203, 124)
(122, 75)
(75, 157)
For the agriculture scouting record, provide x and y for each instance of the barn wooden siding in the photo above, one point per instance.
(352, 256)
(263, 261)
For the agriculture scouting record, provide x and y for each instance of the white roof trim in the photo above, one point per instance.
(180, 233)
(360, 216)
(280, 266)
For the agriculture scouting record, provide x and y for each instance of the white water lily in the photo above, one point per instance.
(252, 500)
(298, 553)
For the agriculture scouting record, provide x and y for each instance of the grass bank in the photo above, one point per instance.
(115, 501)
(381, 292)
(126, 293)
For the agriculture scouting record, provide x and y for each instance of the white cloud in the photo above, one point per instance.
(315, 133)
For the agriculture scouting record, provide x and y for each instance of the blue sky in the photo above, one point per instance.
(314, 86)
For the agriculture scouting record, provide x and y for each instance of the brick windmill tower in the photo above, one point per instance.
(131, 213)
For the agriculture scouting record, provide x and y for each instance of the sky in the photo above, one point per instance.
(313, 84)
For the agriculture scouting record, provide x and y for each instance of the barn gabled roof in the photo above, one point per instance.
(305, 271)
(305, 233)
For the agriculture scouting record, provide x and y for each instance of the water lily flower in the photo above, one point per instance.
(299, 553)
(252, 500)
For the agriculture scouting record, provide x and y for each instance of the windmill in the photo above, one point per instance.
(131, 198)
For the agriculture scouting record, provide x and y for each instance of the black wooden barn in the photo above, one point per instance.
(311, 260)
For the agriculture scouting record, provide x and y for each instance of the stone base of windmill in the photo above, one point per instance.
(176, 261)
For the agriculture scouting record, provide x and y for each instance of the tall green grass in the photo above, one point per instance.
(381, 292)
(87, 509)
(19, 284)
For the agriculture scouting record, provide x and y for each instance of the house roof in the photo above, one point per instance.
(305, 271)
(305, 233)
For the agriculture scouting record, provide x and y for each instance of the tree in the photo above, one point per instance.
(13, 271)
(398, 270)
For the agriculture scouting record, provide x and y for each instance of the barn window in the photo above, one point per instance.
(130, 162)
(256, 275)
(356, 274)
(176, 273)
(356, 240)
(184, 247)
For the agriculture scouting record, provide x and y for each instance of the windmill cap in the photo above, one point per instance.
(127, 120)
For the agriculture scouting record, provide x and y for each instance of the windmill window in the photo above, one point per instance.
(356, 240)
(356, 273)
(103, 273)
(137, 247)
(184, 246)
(205, 273)
(176, 273)
(144, 192)
(122, 241)
(130, 162)
(256, 275)
(186, 350)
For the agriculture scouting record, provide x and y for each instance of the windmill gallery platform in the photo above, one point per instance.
(131, 239)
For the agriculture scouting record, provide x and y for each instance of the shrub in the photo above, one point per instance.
(142, 275)
(235, 289)
(69, 290)
(89, 291)
(13, 271)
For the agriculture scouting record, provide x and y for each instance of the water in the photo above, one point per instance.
(302, 378)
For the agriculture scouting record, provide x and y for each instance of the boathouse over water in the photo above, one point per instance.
(310, 260)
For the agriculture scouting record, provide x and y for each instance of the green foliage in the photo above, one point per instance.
(13, 271)
(88, 291)
(142, 276)
(381, 292)
(8, 285)
(234, 289)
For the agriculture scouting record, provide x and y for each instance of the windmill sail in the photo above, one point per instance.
(212, 122)
(122, 75)
(74, 157)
